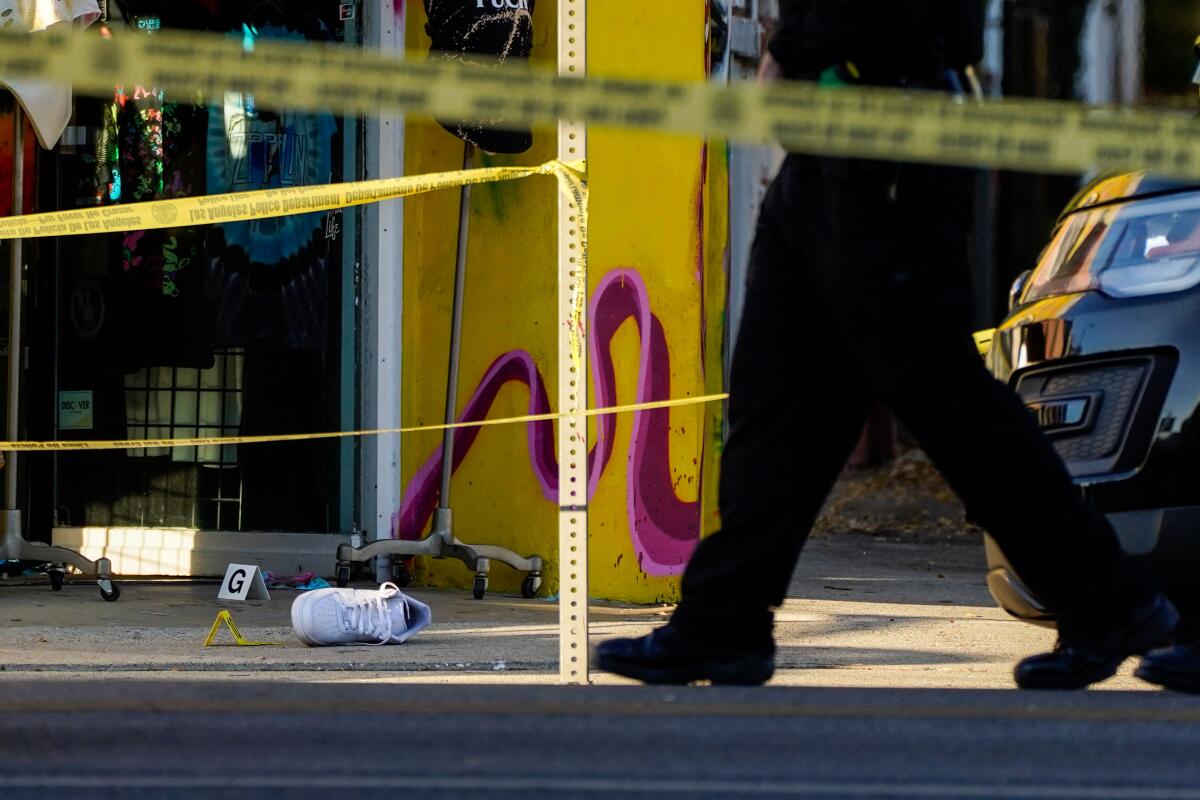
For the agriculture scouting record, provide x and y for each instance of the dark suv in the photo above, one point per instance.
(1103, 344)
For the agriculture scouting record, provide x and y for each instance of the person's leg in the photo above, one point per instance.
(796, 409)
(1015, 486)
(904, 300)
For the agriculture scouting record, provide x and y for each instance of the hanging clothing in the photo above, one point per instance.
(48, 104)
(267, 280)
(38, 15)
(153, 149)
(7, 161)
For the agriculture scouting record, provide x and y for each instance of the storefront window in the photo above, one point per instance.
(202, 330)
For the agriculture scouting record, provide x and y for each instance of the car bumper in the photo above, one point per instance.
(1164, 539)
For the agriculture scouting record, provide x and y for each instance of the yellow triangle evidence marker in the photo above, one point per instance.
(241, 641)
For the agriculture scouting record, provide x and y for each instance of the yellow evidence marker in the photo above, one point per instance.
(239, 640)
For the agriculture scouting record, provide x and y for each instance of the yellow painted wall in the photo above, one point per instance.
(658, 217)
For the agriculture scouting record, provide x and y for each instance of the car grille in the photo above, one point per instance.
(1121, 384)
(1114, 387)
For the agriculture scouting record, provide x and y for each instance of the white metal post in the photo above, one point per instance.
(1131, 29)
(11, 513)
(382, 297)
(572, 372)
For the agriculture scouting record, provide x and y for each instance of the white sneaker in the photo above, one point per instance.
(350, 616)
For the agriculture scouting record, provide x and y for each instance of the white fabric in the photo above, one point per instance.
(31, 16)
(47, 104)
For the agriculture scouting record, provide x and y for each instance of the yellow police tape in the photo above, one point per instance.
(1041, 136)
(1033, 135)
(59, 447)
(239, 206)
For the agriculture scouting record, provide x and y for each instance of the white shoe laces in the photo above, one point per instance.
(370, 615)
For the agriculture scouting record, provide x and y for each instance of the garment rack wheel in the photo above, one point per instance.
(109, 590)
(401, 573)
(57, 574)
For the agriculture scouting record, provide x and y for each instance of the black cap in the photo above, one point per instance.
(488, 30)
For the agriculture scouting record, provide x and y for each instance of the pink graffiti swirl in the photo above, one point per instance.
(664, 528)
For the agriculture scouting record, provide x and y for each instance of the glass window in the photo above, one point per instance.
(206, 331)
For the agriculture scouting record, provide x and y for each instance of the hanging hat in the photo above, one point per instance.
(497, 30)
(48, 104)
(29, 16)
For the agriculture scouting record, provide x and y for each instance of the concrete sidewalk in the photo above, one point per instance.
(863, 612)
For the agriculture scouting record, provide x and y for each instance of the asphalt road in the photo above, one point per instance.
(261, 739)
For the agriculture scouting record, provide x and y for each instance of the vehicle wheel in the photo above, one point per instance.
(109, 591)
(56, 579)
(530, 586)
(480, 588)
(401, 574)
(343, 575)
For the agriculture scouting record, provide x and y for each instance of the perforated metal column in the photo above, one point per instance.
(572, 373)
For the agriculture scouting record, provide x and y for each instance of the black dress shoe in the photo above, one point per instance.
(1084, 657)
(1175, 667)
(667, 657)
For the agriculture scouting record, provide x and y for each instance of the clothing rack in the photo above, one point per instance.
(14, 546)
(441, 542)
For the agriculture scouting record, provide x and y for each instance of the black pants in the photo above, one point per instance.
(858, 291)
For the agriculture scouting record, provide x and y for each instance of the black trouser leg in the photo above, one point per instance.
(902, 299)
(796, 410)
(858, 289)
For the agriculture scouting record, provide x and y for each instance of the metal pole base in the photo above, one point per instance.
(55, 560)
(15, 548)
(442, 544)
(10, 524)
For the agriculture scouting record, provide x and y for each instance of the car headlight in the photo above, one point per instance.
(1159, 276)
(1134, 249)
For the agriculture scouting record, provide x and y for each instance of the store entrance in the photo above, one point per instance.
(202, 331)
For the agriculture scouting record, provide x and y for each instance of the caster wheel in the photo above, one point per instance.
(109, 591)
(343, 575)
(480, 587)
(56, 579)
(530, 586)
(401, 574)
